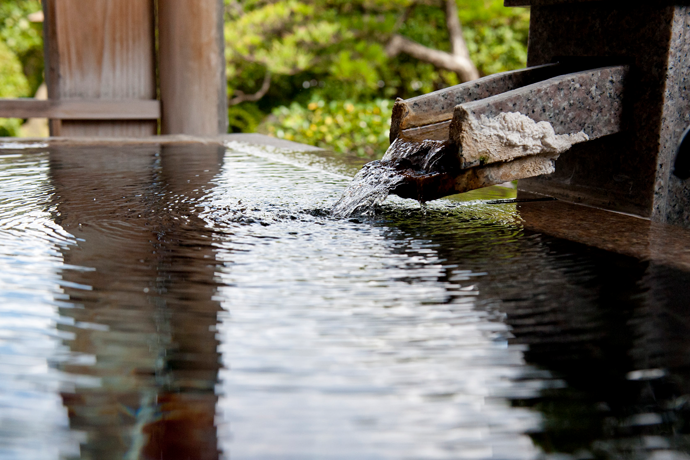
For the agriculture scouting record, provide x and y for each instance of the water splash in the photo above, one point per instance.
(427, 155)
(370, 187)
(410, 169)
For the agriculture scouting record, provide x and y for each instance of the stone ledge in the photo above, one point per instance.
(250, 138)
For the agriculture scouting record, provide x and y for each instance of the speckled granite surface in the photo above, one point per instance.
(438, 106)
(627, 172)
(589, 101)
(672, 195)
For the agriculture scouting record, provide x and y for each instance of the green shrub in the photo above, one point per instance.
(23, 38)
(500, 44)
(343, 126)
(21, 55)
(244, 118)
(13, 83)
(316, 75)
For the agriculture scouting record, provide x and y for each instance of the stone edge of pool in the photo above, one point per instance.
(249, 138)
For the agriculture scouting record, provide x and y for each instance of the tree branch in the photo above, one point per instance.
(460, 65)
(458, 60)
(457, 42)
(242, 97)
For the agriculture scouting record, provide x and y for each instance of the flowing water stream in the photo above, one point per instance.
(420, 170)
(201, 302)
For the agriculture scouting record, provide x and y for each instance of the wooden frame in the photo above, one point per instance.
(107, 77)
(81, 109)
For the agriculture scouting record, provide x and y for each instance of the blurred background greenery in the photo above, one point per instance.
(21, 55)
(323, 73)
(314, 71)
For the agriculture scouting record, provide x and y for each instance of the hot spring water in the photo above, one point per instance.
(410, 169)
(201, 302)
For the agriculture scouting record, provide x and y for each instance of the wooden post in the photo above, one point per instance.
(100, 50)
(192, 67)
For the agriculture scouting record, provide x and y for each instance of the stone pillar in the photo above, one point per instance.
(630, 171)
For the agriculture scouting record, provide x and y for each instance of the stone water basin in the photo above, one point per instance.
(170, 299)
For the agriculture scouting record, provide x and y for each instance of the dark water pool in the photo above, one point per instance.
(198, 302)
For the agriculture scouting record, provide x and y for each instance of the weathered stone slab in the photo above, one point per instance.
(547, 117)
(437, 107)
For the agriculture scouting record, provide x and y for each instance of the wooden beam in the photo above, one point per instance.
(193, 89)
(81, 109)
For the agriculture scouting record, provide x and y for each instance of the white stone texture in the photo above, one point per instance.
(511, 135)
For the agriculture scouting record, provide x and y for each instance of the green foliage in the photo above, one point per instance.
(343, 126)
(326, 41)
(496, 36)
(12, 84)
(12, 80)
(23, 38)
(341, 44)
(21, 55)
(245, 118)
(332, 52)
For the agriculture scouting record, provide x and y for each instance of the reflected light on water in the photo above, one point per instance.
(194, 301)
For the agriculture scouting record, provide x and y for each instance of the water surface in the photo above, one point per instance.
(200, 302)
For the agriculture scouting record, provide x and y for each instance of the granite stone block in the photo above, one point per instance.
(435, 108)
(589, 101)
(672, 194)
(630, 171)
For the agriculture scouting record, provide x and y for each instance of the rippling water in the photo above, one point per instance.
(200, 302)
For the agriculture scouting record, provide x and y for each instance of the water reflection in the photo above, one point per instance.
(143, 312)
(340, 340)
(32, 419)
(196, 303)
(609, 332)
